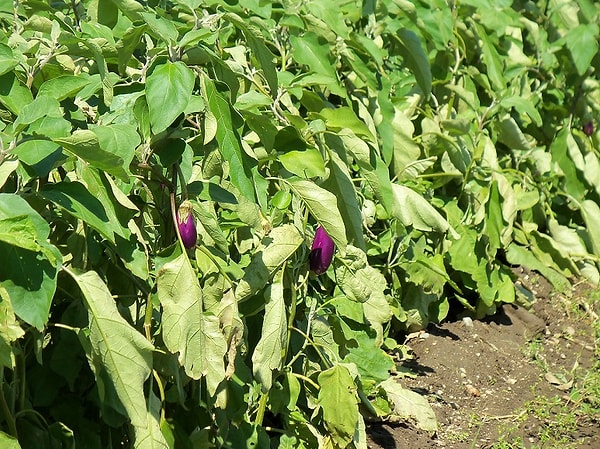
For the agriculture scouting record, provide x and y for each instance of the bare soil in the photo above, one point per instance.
(483, 378)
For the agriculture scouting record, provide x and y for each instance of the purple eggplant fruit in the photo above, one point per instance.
(186, 224)
(321, 252)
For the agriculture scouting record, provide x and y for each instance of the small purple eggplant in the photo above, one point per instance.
(321, 252)
(588, 128)
(186, 224)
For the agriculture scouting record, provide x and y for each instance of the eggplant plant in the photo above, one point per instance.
(218, 219)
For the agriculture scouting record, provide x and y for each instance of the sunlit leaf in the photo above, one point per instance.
(277, 247)
(323, 206)
(188, 330)
(116, 347)
(409, 405)
(168, 92)
(337, 398)
(269, 351)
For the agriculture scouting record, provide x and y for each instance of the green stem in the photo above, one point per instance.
(262, 406)
(8, 417)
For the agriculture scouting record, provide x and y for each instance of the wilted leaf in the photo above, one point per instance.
(359, 281)
(188, 330)
(270, 349)
(410, 405)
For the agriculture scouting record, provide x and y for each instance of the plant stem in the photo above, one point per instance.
(262, 406)
(10, 420)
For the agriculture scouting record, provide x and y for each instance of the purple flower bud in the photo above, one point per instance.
(321, 252)
(186, 224)
(588, 128)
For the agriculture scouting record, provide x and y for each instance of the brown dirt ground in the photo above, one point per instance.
(479, 378)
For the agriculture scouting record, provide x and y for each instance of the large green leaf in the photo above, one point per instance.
(323, 206)
(168, 92)
(13, 94)
(187, 329)
(309, 50)
(77, 200)
(338, 399)
(229, 141)
(582, 42)
(118, 350)
(8, 442)
(340, 184)
(261, 51)
(491, 58)
(64, 86)
(85, 144)
(270, 349)
(415, 58)
(30, 264)
(414, 210)
(277, 247)
(7, 59)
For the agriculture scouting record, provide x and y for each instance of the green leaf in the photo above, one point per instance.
(229, 141)
(277, 247)
(19, 231)
(523, 106)
(408, 405)
(518, 255)
(414, 210)
(261, 51)
(338, 400)
(6, 169)
(7, 59)
(41, 155)
(322, 204)
(118, 350)
(306, 164)
(358, 280)
(42, 106)
(269, 353)
(8, 442)
(120, 140)
(591, 216)
(10, 331)
(310, 51)
(415, 58)
(494, 222)
(76, 199)
(187, 329)
(340, 184)
(65, 86)
(168, 91)
(372, 167)
(13, 94)
(345, 118)
(30, 267)
(372, 362)
(85, 144)
(150, 435)
(559, 149)
(582, 42)
(161, 28)
(491, 58)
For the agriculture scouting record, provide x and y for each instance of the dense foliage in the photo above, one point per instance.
(437, 143)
